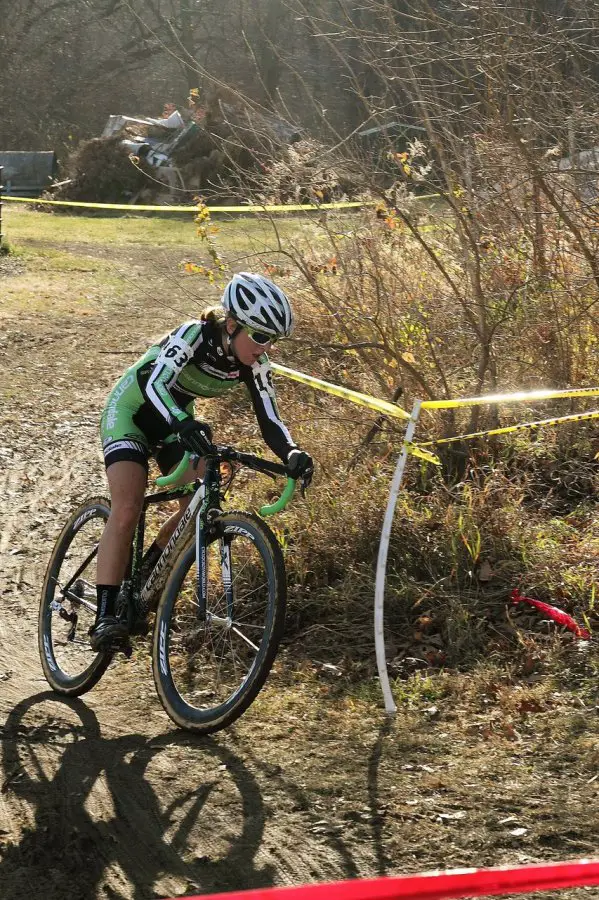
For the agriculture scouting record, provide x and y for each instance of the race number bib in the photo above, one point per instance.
(175, 354)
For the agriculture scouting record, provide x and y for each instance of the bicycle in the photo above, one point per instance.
(219, 590)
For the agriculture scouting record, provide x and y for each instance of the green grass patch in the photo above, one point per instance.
(56, 281)
(243, 233)
(48, 259)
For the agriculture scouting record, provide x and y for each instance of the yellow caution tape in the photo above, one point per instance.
(124, 206)
(510, 398)
(382, 406)
(391, 409)
(416, 450)
(577, 417)
(296, 207)
(268, 208)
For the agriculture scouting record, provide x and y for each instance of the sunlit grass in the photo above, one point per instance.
(234, 234)
(514, 521)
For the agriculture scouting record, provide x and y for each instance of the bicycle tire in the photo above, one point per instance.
(93, 508)
(172, 659)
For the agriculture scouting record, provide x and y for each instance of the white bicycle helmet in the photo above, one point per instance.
(255, 301)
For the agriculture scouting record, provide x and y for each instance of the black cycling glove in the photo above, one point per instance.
(300, 465)
(196, 437)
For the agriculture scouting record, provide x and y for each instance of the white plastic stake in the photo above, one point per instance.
(381, 569)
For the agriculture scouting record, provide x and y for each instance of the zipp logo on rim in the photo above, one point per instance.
(83, 518)
(162, 649)
(237, 529)
(48, 652)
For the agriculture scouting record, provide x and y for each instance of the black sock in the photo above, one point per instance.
(107, 594)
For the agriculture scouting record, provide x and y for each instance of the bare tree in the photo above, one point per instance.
(503, 92)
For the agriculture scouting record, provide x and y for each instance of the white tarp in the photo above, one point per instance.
(115, 123)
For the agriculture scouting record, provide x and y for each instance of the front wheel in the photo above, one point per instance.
(68, 603)
(208, 667)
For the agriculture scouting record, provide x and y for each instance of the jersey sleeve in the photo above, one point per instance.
(177, 351)
(258, 379)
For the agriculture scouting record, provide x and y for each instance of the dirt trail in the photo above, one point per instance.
(103, 798)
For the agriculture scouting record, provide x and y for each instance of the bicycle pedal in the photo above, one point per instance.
(119, 646)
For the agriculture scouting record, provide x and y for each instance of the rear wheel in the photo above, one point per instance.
(68, 603)
(208, 669)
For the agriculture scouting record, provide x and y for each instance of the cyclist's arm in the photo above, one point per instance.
(177, 351)
(258, 379)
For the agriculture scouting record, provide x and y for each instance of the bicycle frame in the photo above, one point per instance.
(192, 510)
(207, 491)
(131, 584)
(206, 497)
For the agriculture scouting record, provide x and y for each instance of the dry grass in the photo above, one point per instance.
(496, 729)
(516, 513)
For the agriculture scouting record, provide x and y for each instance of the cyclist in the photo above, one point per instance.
(150, 413)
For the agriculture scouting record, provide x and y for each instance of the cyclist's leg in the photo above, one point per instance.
(126, 454)
(127, 483)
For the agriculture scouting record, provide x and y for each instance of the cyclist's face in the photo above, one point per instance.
(245, 349)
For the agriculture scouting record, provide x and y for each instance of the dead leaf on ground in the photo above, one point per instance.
(485, 573)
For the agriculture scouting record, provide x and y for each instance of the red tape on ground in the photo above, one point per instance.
(437, 885)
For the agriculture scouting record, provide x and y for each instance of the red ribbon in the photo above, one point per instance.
(558, 615)
(437, 885)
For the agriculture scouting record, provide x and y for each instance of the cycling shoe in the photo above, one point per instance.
(106, 632)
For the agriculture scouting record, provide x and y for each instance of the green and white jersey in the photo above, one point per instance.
(189, 362)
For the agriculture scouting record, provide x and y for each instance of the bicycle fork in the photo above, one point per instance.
(202, 577)
(201, 569)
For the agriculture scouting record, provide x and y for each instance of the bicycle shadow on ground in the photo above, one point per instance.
(88, 803)
(350, 863)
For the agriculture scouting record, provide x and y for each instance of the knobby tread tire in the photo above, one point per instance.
(207, 722)
(70, 687)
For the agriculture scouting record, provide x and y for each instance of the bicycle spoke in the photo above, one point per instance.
(244, 638)
(212, 660)
(68, 607)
